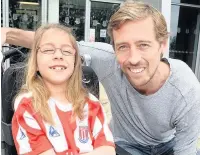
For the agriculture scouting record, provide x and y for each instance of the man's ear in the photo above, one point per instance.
(164, 45)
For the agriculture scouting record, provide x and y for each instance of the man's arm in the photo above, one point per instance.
(187, 129)
(17, 37)
(102, 57)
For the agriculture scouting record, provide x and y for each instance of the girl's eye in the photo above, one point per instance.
(67, 52)
(47, 51)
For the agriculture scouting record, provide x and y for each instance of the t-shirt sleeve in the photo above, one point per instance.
(101, 132)
(29, 138)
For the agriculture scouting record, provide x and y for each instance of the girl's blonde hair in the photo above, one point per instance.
(135, 11)
(75, 93)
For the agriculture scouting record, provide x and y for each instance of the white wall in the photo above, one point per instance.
(53, 11)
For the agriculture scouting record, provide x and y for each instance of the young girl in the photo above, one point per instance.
(53, 112)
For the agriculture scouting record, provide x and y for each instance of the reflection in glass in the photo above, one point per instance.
(184, 34)
(100, 15)
(1, 13)
(23, 15)
(72, 14)
(195, 2)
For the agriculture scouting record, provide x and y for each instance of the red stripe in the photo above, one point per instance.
(15, 128)
(69, 128)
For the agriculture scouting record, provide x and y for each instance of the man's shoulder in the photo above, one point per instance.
(181, 70)
(183, 79)
(176, 63)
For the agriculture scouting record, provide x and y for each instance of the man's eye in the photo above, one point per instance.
(123, 47)
(143, 46)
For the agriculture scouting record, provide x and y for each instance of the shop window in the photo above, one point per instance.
(25, 14)
(1, 14)
(100, 15)
(184, 35)
(72, 14)
(195, 2)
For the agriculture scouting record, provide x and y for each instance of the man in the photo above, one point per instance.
(155, 102)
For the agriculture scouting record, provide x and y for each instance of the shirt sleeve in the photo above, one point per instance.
(187, 125)
(29, 138)
(102, 135)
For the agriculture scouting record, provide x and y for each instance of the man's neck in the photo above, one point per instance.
(157, 81)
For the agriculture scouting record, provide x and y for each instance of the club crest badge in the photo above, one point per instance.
(83, 134)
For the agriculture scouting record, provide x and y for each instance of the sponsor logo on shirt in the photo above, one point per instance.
(53, 132)
(83, 134)
(22, 136)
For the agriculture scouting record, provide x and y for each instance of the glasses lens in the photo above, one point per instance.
(68, 51)
(47, 49)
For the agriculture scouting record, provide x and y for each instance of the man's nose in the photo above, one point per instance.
(134, 56)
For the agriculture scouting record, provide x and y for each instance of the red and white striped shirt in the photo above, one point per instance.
(32, 135)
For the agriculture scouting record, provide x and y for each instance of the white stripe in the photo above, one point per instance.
(24, 146)
(59, 142)
(108, 133)
(30, 121)
(19, 98)
(97, 127)
(92, 97)
(84, 147)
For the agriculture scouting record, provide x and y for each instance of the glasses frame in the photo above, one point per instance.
(54, 51)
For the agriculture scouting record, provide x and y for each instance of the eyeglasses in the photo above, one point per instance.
(66, 50)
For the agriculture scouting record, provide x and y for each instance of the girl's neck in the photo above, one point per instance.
(58, 92)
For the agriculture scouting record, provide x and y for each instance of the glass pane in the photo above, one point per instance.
(1, 13)
(25, 15)
(72, 14)
(100, 15)
(184, 36)
(196, 2)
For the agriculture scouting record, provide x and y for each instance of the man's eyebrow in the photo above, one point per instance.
(139, 41)
(143, 41)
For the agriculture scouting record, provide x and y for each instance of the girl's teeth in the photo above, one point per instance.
(58, 68)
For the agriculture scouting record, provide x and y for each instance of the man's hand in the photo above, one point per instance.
(17, 37)
(4, 31)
